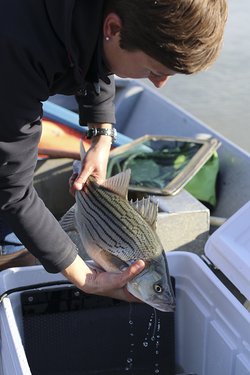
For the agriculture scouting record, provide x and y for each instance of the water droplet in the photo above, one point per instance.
(157, 371)
(159, 326)
(152, 338)
(145, 344)
(130, 355)
(157, 352)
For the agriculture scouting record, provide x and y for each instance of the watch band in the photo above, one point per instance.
(93, 132)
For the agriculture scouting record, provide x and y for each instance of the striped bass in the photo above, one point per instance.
(116, 232)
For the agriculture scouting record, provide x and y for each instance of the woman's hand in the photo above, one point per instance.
(93, 163)
(109, 284)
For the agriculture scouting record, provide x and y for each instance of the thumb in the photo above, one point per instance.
(133, 270)
(81, 179)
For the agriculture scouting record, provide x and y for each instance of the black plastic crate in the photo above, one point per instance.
(68, 332)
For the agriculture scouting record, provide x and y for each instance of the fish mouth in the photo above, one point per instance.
(170, 307)
(164, 306)
(167, 307)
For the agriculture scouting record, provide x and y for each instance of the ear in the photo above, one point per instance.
(112, 25)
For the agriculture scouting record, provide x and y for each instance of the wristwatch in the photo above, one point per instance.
(93, 132)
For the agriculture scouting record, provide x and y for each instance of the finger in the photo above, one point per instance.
(80, 181)
(133, 270)
(71, 183)
(82, 177)
(72, 179)
(78, 184)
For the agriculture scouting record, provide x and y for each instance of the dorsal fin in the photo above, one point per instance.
(77, 164)
(119, 183)
(67, 222)
(82, 151)
(147, 209)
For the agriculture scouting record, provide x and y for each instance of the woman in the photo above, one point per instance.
(74, 47)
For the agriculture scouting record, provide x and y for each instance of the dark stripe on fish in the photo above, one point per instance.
(100, 205)
(94, 222)
(95, 225)
(130, 222)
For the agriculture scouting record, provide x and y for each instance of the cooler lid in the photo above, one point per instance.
(228, 248)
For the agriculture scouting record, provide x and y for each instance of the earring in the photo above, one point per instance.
(107, 38)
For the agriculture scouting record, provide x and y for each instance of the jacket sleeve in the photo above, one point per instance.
(96, 103)
(23, 88)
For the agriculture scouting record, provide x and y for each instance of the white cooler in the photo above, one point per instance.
(212, 325)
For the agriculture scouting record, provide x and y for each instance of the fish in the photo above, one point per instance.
(115, 232)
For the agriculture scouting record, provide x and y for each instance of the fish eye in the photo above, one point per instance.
(158, 288)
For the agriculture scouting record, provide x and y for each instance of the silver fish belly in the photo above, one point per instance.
(116, 232)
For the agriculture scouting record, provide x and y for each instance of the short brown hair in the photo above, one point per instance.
(183, 35)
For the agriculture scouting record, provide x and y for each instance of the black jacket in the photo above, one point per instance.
(46, 47)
